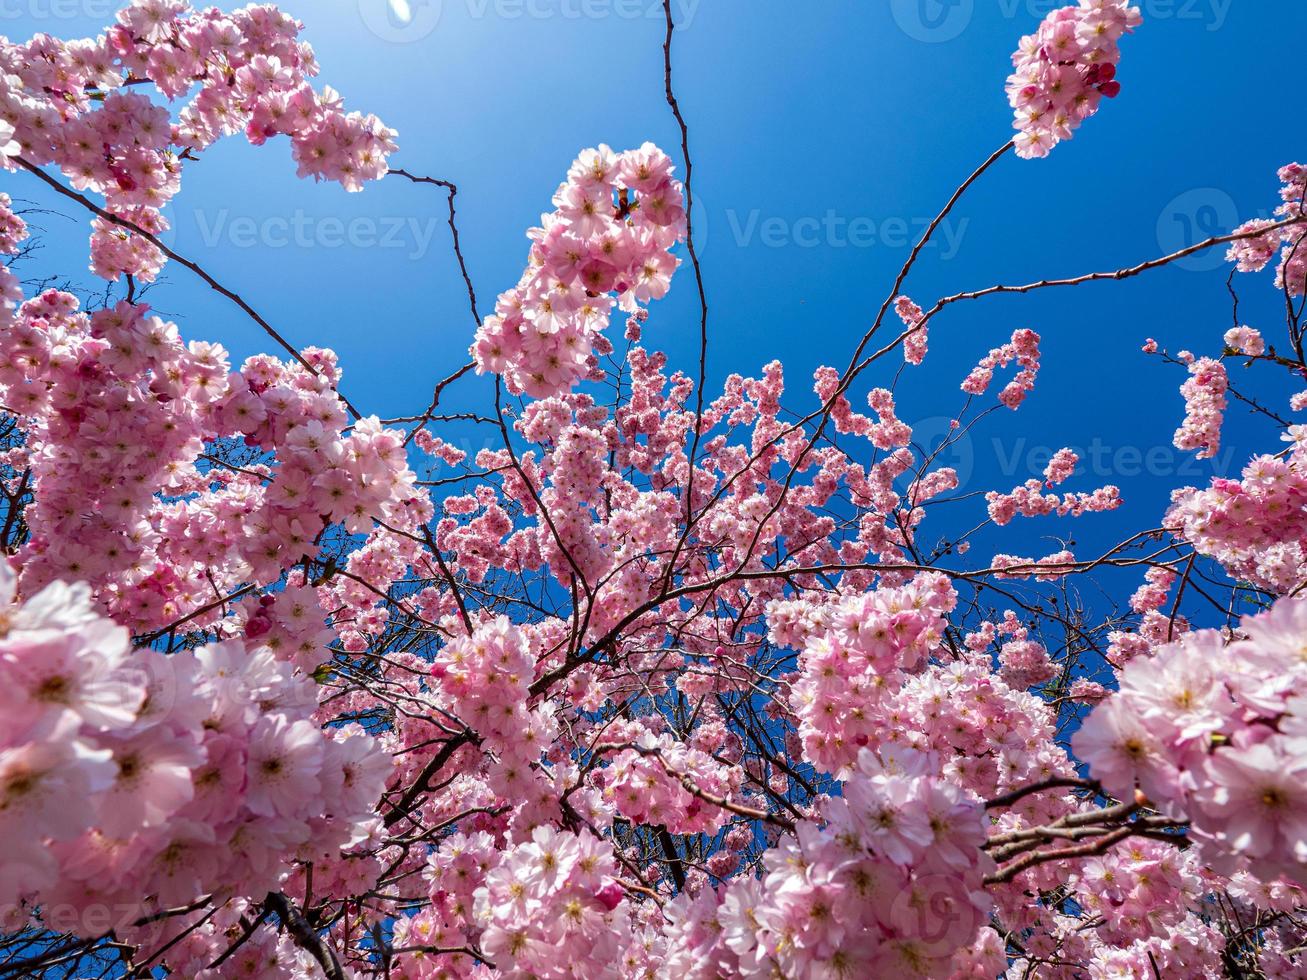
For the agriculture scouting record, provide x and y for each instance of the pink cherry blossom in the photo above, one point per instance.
(637, 669)
(1063, 71)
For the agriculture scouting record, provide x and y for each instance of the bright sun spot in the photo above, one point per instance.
(401, 10)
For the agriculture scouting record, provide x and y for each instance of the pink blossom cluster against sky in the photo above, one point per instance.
(671, 671)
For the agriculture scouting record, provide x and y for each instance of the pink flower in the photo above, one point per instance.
(610, 895)
(9, 147)
(1245, 340)
(282, 770)
(1063, 70)
(48, 671)
(1255, 799)
(1122, 753)
(47, 784)
(617, 217)
(1204, 396)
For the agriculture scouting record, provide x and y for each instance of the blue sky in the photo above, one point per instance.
(824, 135)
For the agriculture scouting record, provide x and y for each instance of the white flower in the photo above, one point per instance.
(8, 145)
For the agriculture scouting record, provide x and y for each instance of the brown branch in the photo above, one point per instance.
(209, 607)
(406, 801)
(452, 190)
(698, 278)
(1056, 782)
(1118, 274)
(1100, 846)
(305, 936)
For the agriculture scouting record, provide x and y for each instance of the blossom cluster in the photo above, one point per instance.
(887, 883)
(663, 782)
(607, 243)
(13, 229)
(1204, 404)
(1148, 900)
(1152, 594)
(1029, 500)
(886, 431)
(550, 907)
(848, 672)
(155, 527)
(485, 677)
(1216, 734)
(1024, 662)
(1063, 71)
(991, 735)
(1254, 253)
(915, 343)
(1024, 349)
(72, 104)
(1044, 569)
(142, 781)
(1255, 527)
(1245, 340)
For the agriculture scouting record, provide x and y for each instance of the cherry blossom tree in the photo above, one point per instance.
(670, 682)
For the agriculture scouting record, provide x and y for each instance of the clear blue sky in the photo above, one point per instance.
(823, 135)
